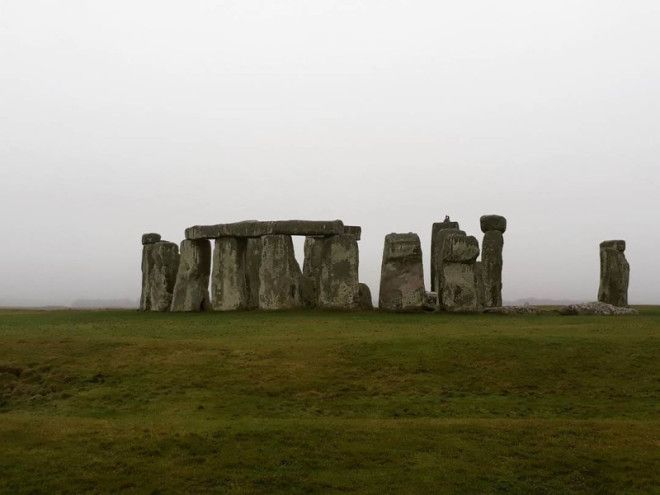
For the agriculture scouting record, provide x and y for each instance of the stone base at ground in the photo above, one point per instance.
(364, 298)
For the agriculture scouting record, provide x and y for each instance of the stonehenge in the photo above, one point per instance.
(614, 273)
(253, 266)
(402, 274)
(493, 227)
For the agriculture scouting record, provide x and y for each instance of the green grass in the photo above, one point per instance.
(311, 402)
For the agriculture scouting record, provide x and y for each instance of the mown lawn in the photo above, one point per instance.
(311, 402)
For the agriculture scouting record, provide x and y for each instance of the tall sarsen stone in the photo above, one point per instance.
(191, 291)
(402, 274)
(614, 273)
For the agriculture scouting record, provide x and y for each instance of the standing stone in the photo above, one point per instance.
(402, 274)
(338, 286)
(147, 269)
(438, 232)
(279, 274)
(252, 263)
(493, 226)
(191, 291)
(311, 271)
(163, 264)
(459, 283)
(364, 295)
(614, 273)
(229, 289)
(479, 276)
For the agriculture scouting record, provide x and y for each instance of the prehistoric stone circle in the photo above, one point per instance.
(493, 226)
(160, 263)
(458, 289)
(402, 274)
(191, 290)
(614, 273)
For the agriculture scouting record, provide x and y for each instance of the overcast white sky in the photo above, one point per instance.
(122, 117)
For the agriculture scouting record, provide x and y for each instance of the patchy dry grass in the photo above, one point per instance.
(328, 402)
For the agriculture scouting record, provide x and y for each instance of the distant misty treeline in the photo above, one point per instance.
(125, 303)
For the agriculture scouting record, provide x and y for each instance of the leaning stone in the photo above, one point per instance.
(459, 248)
(191, 291)
(279, 274)
(614, 273)
(402, 274)
(229, 289)
(164, 261)
(338, 275)
(364, 295)
(438, 231)
(254, 228)
(596, 308)
(151, 238)
(252, 263)
(459, 288)
(493, 222)
(491, 263)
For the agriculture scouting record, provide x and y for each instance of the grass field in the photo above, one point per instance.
(316, 402)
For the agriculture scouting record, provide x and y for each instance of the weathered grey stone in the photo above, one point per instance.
(309, 291)
(150, 238)
(514, 310)
(364, 295)
(147, 270)
(279, 274)
(191, 291)
(493, 222)
(431, 301)
(614, 273)
(402, 274)
(254, 228)
(458, 282)
(312, 270)
(163, 264)
(459, 248)
(479, 277)
(438, 231)
(491, 263)
(229, 289)
(459, 288)
(596, 308)
(252, 263)
(338, 275)
(353, 230)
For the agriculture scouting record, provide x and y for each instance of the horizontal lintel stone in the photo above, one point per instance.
(255, 228)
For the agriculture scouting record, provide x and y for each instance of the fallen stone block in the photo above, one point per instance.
(514, 310)
(596, 308)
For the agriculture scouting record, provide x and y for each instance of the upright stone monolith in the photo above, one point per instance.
(493, 226)
(279, 274)
(338, 286)
(438, 232)
(459, 282)
(364, 294)
(229, 289)
(252, 263)
(191, 291)
(614, 273)
(147, 269)
(163, 265)
(402, 274)
(311, 271)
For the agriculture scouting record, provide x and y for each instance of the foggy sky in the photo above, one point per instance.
(124, 117)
